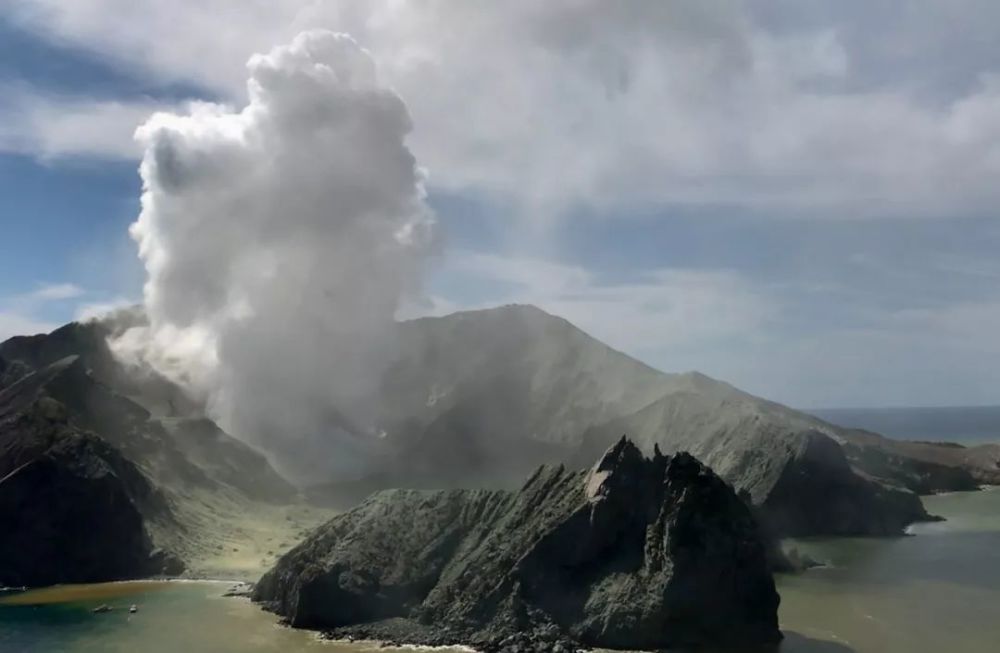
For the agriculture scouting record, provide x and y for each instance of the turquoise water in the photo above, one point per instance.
(935, 592)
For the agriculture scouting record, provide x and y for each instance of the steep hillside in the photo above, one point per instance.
(88, 341)
(546, 380)
(789, 464)
(150, 486)
(633, 554)
(488, 395)
(143, 414)
(480, 397)
(72, 507)
(924, 467)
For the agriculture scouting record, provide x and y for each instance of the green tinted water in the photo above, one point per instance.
(179, 617)
(935, 592)
(938, 591)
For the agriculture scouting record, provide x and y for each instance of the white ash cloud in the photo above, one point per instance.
(279, 241)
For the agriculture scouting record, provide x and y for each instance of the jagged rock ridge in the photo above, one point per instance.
(634, 553)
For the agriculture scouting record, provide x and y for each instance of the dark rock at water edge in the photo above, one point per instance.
(98, 463)
(634, 553)
(73, 508)
(818, 493)
(924, 467)
(70, 515)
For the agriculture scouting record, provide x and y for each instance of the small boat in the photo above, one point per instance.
(101, 609)
(133, 609)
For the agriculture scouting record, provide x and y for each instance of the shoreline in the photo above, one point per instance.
(194, 576)
(817, 609)
(84, 592)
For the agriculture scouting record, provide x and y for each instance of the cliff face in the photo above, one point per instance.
(817, 492)
(634, 553)
(72, 508)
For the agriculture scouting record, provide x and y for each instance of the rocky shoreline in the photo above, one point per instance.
(405, 632)
(636, 553)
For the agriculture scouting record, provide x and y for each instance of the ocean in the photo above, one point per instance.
(969, 425)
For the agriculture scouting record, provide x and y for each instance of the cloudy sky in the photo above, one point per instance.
(797, 197)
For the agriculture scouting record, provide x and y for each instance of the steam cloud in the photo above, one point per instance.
(279, 241)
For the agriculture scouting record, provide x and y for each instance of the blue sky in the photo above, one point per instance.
(795, 198)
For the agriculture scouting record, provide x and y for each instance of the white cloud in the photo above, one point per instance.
(655, 316)
(907, 357)
(278, 241)
(53, 127)
(19, 314)
(581, 102)
(53, 292)
(567, 103)
(755, 334)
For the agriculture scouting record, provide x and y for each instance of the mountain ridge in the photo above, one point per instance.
(480, 397)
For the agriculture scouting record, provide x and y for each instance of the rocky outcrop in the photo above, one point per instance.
(636, 552)
(923, 467)
(72, 508)
(818, 493)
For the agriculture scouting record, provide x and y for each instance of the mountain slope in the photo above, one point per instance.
(149, 418)
(72, 507)
(146, 483)
(789, 464)
(480, 397)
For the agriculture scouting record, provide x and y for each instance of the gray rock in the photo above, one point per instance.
(70, 507)
(633, 553)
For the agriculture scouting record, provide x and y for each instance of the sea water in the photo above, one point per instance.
(966, 424)
(935, 591)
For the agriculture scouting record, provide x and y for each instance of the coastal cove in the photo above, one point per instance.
(931, 592)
